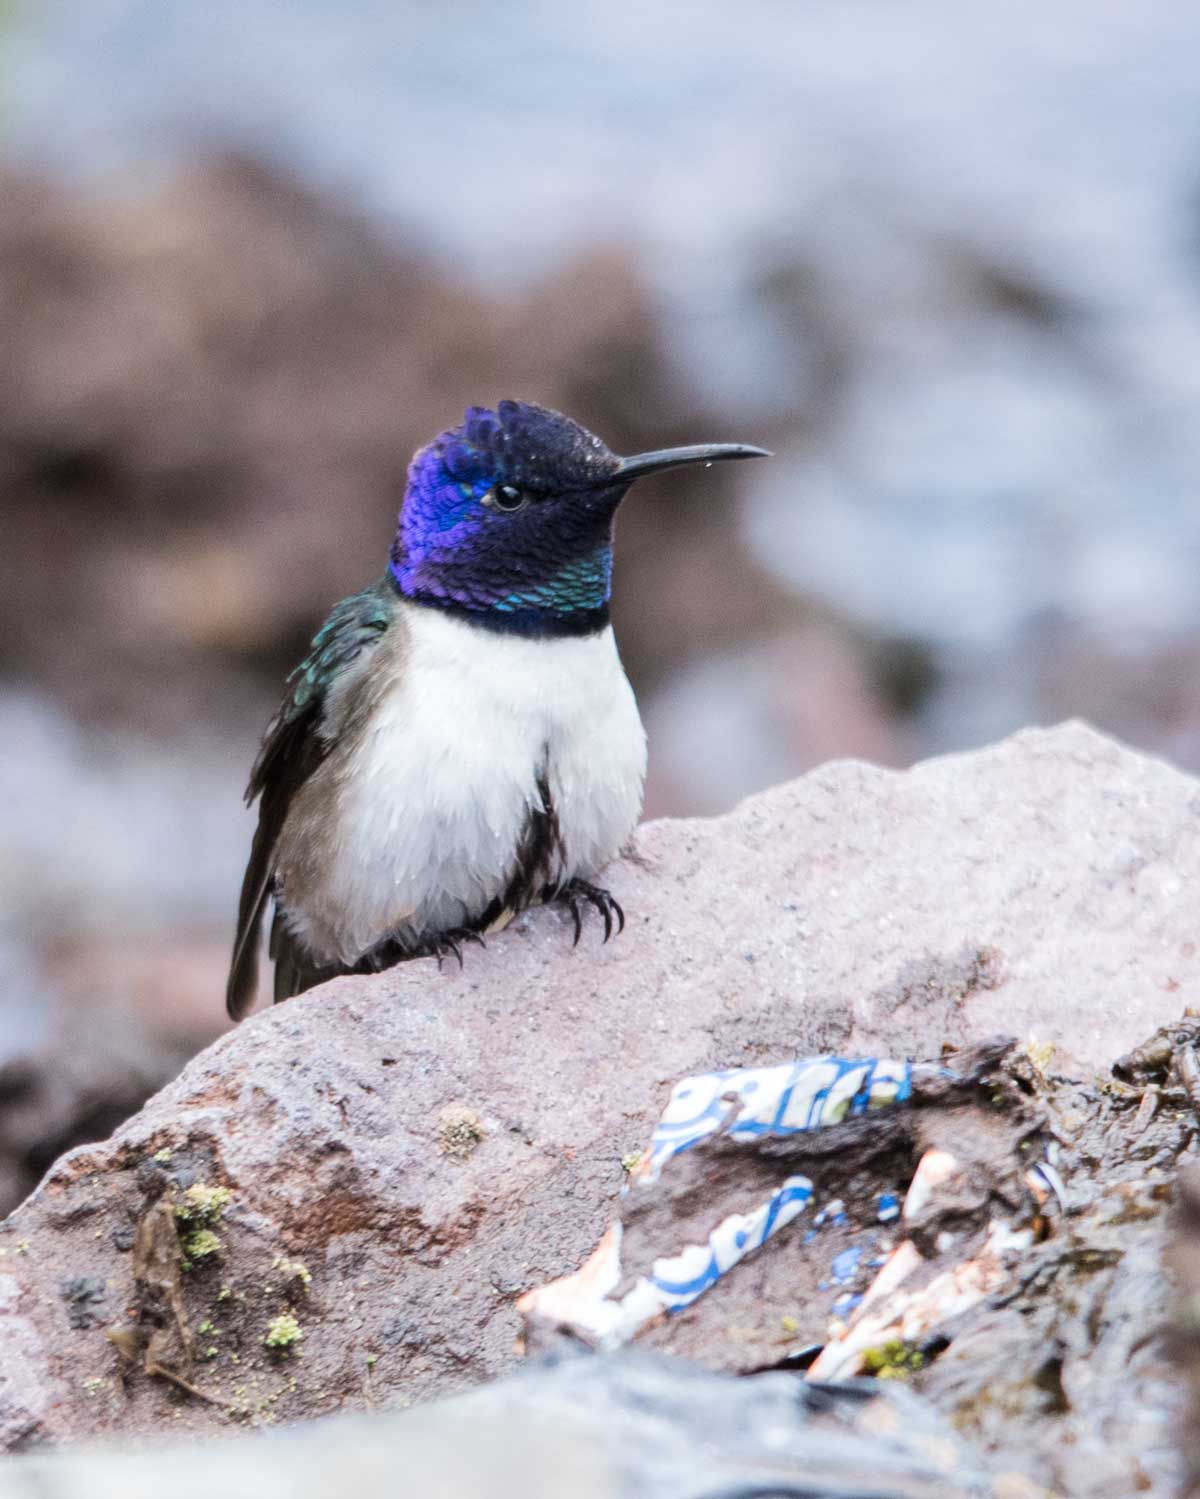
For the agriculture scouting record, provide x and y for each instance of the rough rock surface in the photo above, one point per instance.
(406, 1154)
(1184, 1260)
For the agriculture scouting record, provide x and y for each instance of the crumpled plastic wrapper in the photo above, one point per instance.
(615, 1295)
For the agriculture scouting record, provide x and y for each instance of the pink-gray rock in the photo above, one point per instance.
(406, 1154)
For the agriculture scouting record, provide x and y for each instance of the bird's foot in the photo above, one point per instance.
(450, 943)
(397, 950)
(577, 893)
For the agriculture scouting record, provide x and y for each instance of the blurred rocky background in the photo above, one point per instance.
(945, 263)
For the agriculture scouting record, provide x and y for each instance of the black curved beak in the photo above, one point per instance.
(705, 452)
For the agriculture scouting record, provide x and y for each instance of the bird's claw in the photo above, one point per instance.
(576, 893)
(451, 942)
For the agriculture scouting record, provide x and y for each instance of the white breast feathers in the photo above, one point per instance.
(413, 823)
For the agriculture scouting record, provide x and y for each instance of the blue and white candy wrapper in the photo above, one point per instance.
(744, 1104)
(790, 1099)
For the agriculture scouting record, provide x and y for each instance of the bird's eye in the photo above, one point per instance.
(506, 497)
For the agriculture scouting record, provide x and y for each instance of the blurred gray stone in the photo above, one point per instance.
(629, 1427)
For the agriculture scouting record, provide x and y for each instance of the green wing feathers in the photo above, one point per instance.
(292, 749)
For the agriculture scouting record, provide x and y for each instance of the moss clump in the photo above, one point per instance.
(196, 1212)
(630, 1162)
(892, 1360)
(199, 1244)
(163, 1157)
(283, 1333)
(293, 1270)
(460, 1130)
(1040, 1053)
(202, 1204)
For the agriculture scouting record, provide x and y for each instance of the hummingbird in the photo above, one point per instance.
(462, 741)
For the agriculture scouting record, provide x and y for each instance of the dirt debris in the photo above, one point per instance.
(1020, 1287)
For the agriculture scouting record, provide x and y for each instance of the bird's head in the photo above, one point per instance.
(508, 518)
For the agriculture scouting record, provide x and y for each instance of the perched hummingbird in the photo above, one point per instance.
(462, 741)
